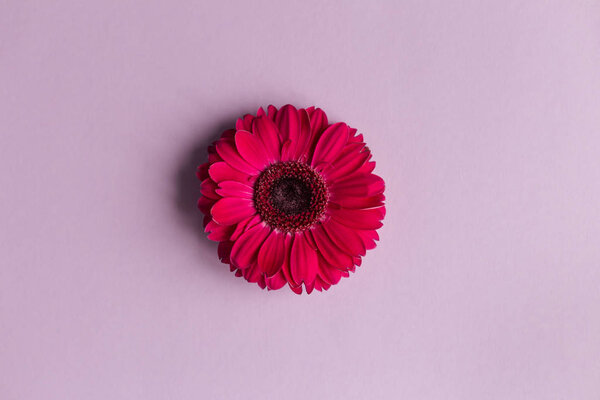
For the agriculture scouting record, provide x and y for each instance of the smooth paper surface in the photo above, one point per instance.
(483, 118)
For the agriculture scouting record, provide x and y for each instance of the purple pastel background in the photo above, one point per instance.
(484, 120)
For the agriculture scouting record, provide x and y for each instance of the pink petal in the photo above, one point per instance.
(234, 189)
(271, 112)
(254, 275)
(262, 281)
(202, 171)
(214, 157)
(324, 284)
(296, 289)
(219, 233)
(245, 225)
(231, 210)
(208, 187)
(267, 131)
(318, 282)
(318, 121)
(227, 134)
(298, 138)
(242, 227)
(369, 238)
(349, 161)
(221, 171)
(310, 286)
(251, 149)
(245, 249)
(304, 139)
(358, 202)
(358, 219)
(227, 150)
(245, 123)
(224, 251)
(288, 122)
(303, 260)
(260, 113)
(345, 238)
(356, 185)
(328, 273)
(285, 268)
(330, 251)
(205, 204)
(272, 253)
(354, 138)
(276, 282)
(367, 168)
(330, 144)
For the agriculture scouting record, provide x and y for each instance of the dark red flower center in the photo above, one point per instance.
(290, 196)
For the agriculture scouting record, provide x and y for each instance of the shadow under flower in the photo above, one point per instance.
(188, 184)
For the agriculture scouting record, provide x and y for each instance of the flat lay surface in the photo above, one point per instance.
(483, 120)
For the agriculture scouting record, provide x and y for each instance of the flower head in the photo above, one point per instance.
(291, 199)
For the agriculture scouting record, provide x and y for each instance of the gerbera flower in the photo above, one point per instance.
(291, 199)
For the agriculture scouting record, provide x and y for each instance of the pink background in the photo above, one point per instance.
(485, 123)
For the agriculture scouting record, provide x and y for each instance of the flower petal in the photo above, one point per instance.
(253, 274)
(227, 134)
(288, 122)
(221, 171)
(354, 138)
(271, 112)
(205, 204)
(330, 144)
(251, 149)
(245, 123)
(219, 233)
(231, 210)
(303, 260)
(358, 185)
(296, 289)
(345, 238)
(318, 121)
(358, 202)
(227, 150)
(272, 253)
(276, 281)
(300, 148)
(310, 286)
(202, 171)
(244, 225)
(224, 251)
(369, 238)
(349, 161)
(208, 187)
(358, 219)
(330, 251)
(327, 272)
(245, 249)
(267, 131)
(324, 284)
(285, 268)
(234, 189)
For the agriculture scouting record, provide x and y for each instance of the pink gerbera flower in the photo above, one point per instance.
(291, 199)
